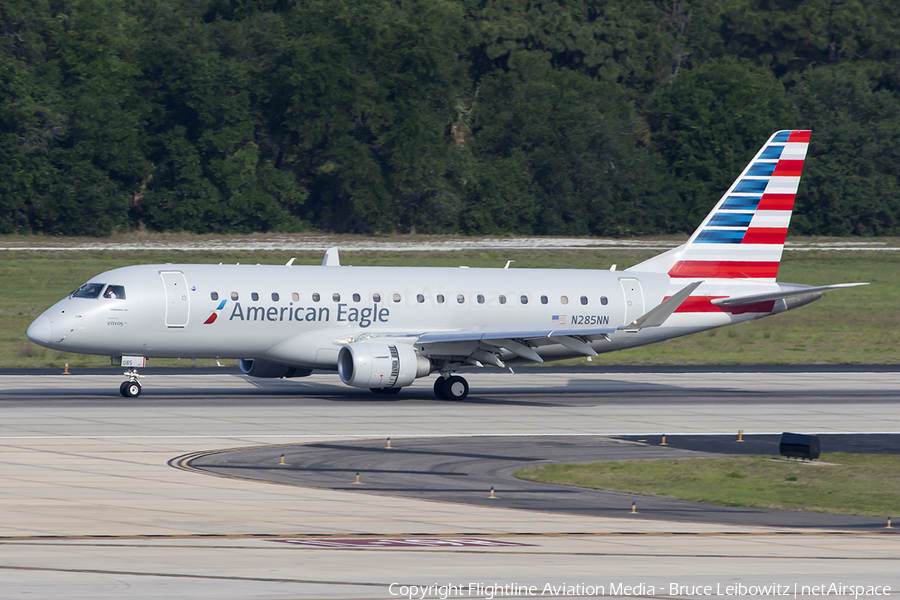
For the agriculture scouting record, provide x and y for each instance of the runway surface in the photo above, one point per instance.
(90, 507)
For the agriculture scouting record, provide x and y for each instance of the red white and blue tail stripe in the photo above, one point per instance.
(743, 236)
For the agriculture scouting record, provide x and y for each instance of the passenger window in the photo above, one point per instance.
(502, 299)
(336, 297)
(603, 300)
(563, 300)
(460, 298)
(254, 296)
(356, 297)
(544, 300)
(89, 290)
(396, 297)
(376, 297)
(420, 298)
(523, 299)
(316, 297)
(584, 299)
(234, 296)
(295, 297)
(115, 292)
(440, 298)
(214, 295)
(480, 299)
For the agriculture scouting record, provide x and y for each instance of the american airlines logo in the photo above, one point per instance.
(215, 315)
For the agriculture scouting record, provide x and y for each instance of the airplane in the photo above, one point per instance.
(384, 327)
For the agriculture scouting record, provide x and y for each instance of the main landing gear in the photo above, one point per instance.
(453, 387)
(132, 387)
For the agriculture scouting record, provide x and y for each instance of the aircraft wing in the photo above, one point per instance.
(517, 337)
(522, 331)
(743, 300)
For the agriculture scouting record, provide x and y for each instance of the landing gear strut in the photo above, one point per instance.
(132, 387)
(451, 388)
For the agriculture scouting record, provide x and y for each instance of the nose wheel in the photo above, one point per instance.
(132, 387)
(451, 388)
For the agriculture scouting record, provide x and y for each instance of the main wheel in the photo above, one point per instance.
(440, 388)
(385, 391)
(456, 388)
(130, 389)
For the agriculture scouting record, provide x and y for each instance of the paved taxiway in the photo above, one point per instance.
(77, 461)
(462, 469)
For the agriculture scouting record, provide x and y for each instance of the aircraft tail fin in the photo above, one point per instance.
(743, 235)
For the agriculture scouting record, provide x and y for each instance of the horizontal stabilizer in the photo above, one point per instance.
(743, 300)
(657, 316)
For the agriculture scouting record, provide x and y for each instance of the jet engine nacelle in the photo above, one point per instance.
(255, 367)
(368, 365)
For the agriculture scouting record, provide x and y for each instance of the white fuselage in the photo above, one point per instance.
(303, 315)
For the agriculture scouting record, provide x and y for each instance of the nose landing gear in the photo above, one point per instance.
(132, 387)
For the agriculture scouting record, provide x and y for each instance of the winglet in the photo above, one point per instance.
(657, 316)
(332, 258)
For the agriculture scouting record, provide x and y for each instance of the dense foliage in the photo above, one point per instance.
(585, 117)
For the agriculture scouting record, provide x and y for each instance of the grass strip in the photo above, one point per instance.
(853, 484)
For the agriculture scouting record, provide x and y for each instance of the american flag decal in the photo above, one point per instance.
(559, 319)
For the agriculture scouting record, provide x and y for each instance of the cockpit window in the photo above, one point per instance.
(115, 292)
(89, 290)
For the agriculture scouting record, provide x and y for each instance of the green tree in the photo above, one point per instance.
(560, 156)
(214, 168)
(367, 92)
(850, 179)
(708, 122)
(789, 37)
(635, 44)
(70, 116)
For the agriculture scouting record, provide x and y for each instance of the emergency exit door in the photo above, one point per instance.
(178, 303)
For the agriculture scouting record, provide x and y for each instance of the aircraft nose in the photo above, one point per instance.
(39, 331)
